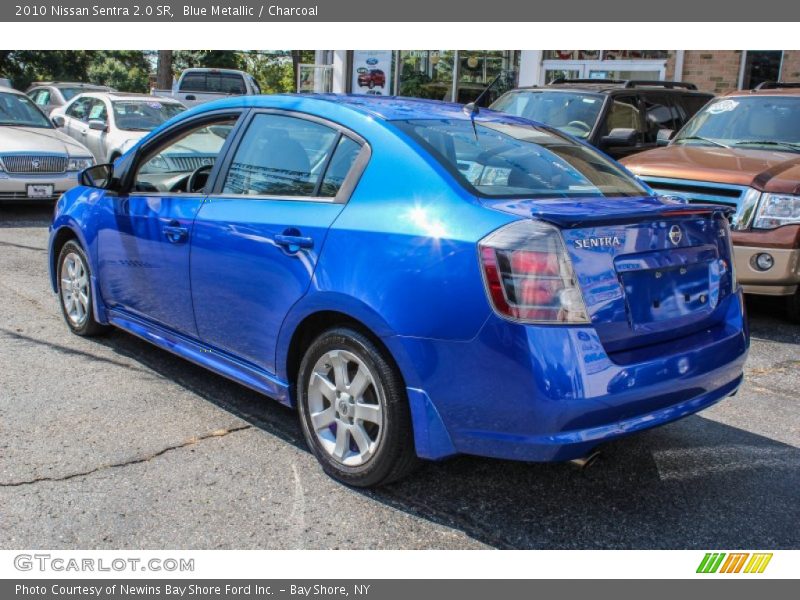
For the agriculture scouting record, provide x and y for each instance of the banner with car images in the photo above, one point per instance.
(372, 72)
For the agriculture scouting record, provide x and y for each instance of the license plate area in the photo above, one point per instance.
(667, 286)
(40, 190)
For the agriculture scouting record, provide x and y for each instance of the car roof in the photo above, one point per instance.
(397, 108)
(10, 90)
(78, 84)
(130, 96)
(766, 91)
(604, 86)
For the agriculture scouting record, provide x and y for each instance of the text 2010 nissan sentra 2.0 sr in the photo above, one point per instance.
(418, 281)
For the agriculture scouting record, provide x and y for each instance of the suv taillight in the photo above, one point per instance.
(529, 275)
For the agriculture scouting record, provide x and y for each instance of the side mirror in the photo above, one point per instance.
(98, 176)
(58, 121)
(664, 136)
(619, 137)
(98, 125)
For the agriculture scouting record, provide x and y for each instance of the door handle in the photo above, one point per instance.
(293, 243)
(191, 97)
(175, 233)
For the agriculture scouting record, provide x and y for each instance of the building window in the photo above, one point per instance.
(760, 66)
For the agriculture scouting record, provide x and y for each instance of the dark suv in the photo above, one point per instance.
(619, 117)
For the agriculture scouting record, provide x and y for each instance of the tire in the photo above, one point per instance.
(793, 307)
(340, 362)
(75, 291)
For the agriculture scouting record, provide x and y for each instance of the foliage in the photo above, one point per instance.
(131, 70)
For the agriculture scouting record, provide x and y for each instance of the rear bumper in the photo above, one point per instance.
(539, 393)
(781, 279)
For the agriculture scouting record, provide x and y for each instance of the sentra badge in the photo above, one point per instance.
(608, 241)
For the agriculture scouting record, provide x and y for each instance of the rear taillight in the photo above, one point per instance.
(529, 275)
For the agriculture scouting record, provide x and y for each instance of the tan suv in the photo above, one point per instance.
(743, 150)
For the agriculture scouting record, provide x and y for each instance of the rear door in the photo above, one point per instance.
(257, 238)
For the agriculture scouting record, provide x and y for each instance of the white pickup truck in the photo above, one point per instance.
(197, 86)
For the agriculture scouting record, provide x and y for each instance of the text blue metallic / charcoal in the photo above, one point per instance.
(401, 257)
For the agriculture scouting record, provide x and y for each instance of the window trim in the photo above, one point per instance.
(345, 190)
(143, 153)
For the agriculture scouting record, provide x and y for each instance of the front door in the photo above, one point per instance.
(145, 234)
(257, 238)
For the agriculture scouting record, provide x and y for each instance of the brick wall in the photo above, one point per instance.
(715, 71)
(791, 65)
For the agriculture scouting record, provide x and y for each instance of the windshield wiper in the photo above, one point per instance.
(702, 139)
(790, 145)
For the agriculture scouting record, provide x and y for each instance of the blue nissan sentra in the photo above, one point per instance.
(418, 279)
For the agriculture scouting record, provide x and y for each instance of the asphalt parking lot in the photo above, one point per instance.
(112, 443)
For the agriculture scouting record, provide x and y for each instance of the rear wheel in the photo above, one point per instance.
(354, 410)
(75, 291)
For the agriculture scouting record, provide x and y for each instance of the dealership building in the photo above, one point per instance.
(461, 75)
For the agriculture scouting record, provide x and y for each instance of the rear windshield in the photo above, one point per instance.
(221, 83)
(574, 113)
(70, 92)
(771, 122)
(505, 160)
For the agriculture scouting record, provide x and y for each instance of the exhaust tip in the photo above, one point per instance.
(585, 462)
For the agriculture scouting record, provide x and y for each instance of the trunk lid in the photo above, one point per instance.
(649, 269)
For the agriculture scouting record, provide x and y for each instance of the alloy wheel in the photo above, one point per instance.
(345, 406)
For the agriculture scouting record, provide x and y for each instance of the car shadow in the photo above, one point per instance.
(696, 483)
(14, 215)
(768, 320)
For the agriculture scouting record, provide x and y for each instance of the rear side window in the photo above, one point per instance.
(281, 156)
(508, 160)
(343, 158)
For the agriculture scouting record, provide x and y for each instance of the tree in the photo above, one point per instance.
(164, 70)
(124, 70)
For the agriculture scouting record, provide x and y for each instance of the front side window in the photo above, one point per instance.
(170, 167)
(280, 156)
(97, 111)
(504, 160)
(746, 122)
(571, 112)
(143, 115)
(624, 113)
(20, 111)
(79, 109)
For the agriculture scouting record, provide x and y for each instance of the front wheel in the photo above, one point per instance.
(354, 410)
(75, 291)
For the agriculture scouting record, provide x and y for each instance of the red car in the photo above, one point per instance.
(372, 78)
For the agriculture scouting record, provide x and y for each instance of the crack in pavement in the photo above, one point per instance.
(23, 246)
(134, 461)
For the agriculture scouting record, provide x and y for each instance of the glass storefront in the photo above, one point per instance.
(604, 64)
(459, 75)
